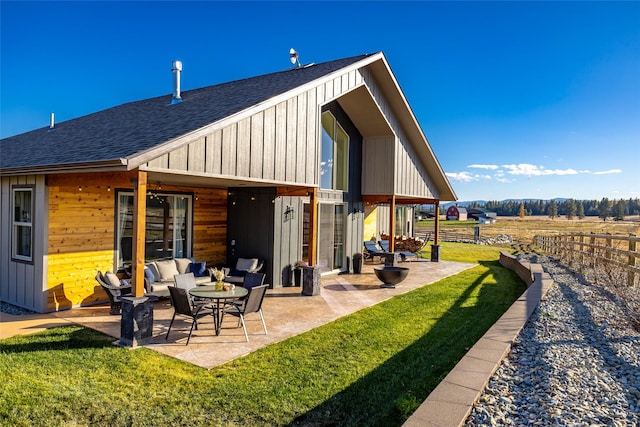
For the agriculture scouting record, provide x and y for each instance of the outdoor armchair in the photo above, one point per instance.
(184, 306)
(114, 289)
(252, 304)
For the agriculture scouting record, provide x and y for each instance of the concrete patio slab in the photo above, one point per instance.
(287, 313)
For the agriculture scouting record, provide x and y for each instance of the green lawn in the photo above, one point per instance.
(373, 367)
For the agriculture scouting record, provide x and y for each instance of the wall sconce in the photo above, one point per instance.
(108, 188)
(79, 187)
(253, 198)
(289, 213)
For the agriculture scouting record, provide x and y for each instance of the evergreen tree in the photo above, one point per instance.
(619, 210)
(580, 210)
(603, 209)
(570, 208)
(552, 209)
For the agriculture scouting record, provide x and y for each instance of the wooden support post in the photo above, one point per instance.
(632, 261)
(139, 228)
(313, 226)
(392, 223)
(436, 224)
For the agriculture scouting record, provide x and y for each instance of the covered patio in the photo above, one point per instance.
(287, 313)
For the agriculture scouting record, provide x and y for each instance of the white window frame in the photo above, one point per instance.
(23, 222)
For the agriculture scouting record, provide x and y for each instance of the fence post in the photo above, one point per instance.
(592, 249)
(632, 262)
(581, 254)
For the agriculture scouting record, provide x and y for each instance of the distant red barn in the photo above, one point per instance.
(456, 213)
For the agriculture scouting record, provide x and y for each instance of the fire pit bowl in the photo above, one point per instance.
(391, 275)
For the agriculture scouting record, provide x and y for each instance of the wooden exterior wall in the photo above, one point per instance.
(82, 233)
(21, 283)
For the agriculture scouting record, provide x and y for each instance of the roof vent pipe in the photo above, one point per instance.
(52, 122)
(176, 67)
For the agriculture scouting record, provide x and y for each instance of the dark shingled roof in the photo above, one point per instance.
(127, 129)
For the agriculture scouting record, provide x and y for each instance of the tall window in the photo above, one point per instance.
(168, 226)
(22, 220)
(334, 158)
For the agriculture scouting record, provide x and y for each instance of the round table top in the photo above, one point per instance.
(209, 291)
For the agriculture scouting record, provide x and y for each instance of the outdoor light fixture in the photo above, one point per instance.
(289, 213)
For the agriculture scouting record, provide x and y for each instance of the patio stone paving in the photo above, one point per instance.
(286, 311)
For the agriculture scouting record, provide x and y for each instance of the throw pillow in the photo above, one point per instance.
(199, 269)
(112, 279)
(246, 264)
(167, 269)
(149, 274)
(154, 270)
(182, 264)
(239, 273)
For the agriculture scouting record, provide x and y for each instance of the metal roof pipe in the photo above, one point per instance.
(176, 67)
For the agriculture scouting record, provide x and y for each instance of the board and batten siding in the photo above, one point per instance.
(394, 153)
(21, 283)
(277, 144)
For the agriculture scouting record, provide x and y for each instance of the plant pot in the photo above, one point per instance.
(357, 265)
(297, 276)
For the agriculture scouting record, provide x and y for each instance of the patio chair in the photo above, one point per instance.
(251, 280)
(184, 306)
(252, 304)
(373, 250)
(113, 291)
(384, 244)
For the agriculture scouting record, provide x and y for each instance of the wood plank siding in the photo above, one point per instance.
(82, 232)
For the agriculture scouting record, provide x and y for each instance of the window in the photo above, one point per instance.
(168, 226)
(335, 154)
(22, 228)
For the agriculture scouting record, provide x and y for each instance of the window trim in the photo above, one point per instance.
(334, 168)
(188, 226)
(14, 224)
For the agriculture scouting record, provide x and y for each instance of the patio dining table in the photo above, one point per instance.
(218, 298)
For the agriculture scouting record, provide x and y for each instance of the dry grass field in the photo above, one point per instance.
(523, 230)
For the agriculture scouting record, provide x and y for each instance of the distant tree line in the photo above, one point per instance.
(605, 208)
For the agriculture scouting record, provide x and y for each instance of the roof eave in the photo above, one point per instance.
(101, 166)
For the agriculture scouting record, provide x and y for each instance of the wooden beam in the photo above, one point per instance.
(436, 224)
(139, 227)
(386, 198)
(313, 226)
(294, 191)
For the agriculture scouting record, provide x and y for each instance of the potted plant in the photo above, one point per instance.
(297, 272)
(357, 263)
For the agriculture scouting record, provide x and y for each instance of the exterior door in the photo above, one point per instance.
(331, 237)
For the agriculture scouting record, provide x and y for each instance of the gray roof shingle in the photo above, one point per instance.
(122, 131)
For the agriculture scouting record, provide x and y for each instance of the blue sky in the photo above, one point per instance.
(517, 99)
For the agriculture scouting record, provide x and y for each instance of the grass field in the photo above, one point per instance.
(524, 229)
(371, 368)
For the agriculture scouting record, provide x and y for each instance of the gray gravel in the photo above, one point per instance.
(575, 363)
(12, 309)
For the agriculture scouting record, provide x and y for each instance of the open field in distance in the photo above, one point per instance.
(523, 229)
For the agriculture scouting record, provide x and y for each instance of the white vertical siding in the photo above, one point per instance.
(22, 283)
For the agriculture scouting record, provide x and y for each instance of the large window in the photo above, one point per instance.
(168, 226)
(22, 224)
(334, 161)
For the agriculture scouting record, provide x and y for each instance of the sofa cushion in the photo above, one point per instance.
(182, 264)
(199, 269)
(237, 273)
(112, 279)
(167, 269)
(247, 264)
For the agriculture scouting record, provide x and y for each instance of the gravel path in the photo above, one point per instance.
(575, 363)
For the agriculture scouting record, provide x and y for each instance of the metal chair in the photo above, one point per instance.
(251, 280)
(184, 306)
(253, 304)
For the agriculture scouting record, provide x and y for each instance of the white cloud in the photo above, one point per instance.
(533, 170)
(608, 172)
(504, 180)
(491, 167)
(461, 176)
